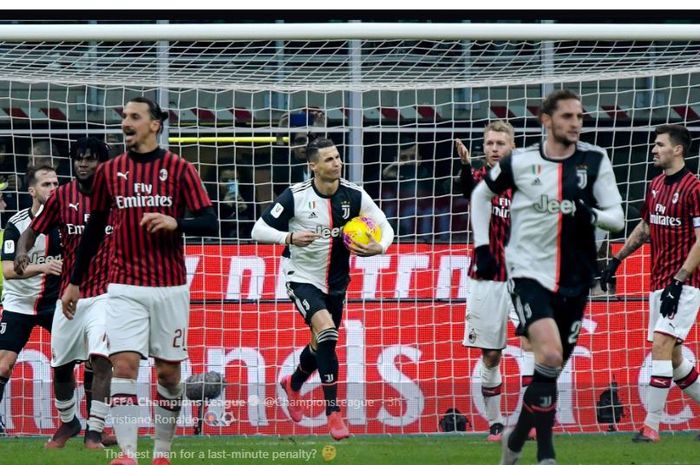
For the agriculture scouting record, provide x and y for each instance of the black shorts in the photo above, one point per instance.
(308, 299)
(533, 302)
(15, 329)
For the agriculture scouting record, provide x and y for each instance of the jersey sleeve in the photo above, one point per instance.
(9, 244)
(49, 216)
(101, 199)
(196, 197)
(694, 206)
(500, 178)
(370, 209)
(279, 213)
(605, 187)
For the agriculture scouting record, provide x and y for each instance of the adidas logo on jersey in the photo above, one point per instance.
(313, 215)
(537, 182)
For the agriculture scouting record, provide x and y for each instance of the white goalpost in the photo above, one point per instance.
(244, 98)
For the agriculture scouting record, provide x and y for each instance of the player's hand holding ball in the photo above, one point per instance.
(361, 236)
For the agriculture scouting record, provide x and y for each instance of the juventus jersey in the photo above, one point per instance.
(672, 211)
(38, 294)
(325, 262)
(547, 243)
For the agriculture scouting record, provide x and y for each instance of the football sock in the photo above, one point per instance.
(88, 375)
(659, 384)
(3, 383)
(167, 410)
(64, 391)
(539, 409)
(528, 369)
(328, 367)
(686, 377)
(125, 414)
(98, 412)
(306, 367)
(491, 385)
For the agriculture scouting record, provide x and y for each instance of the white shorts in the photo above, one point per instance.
(77, 339)
(682, 321)
(152, 321)
(489, 307)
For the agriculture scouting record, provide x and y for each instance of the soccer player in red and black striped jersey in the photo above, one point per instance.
(82, 338)
(148, 190)
(671, 221)
(488, 302)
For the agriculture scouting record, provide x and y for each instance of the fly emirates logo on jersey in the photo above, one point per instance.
(78, 229)
(660, 217)
(143, 197)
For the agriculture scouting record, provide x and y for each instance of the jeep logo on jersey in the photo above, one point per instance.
(582, 175)
(40, 259)
(325, 232)
(566, 207)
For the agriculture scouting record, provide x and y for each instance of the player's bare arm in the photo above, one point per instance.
(52, 267)
(639, 236)
(692, 260)
(463, 152)
(26, 242)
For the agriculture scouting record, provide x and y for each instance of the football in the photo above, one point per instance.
(357, 229)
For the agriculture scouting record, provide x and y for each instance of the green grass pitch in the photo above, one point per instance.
(583, 449)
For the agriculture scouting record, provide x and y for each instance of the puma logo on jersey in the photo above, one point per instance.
(124, 175)
(74, 206)
(547, 205)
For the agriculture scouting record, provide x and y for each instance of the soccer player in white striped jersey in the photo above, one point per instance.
(562, 189)
(308, 218)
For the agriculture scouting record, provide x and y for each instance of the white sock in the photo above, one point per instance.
(167, 411)
(125, 414)
(491, 383)
(98, 413)
(66, 409)
(661, 374)
(686, 377)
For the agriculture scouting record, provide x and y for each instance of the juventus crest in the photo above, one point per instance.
(346, 210)
(582, 176)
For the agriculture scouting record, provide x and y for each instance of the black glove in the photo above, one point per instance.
(669, 299)
(608, 274)
(486, 266)
(584, 213)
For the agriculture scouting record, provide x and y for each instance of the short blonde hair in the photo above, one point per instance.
(500, 126)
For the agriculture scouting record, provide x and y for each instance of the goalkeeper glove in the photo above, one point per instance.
(608, 274)
(486, 266)
(669, 299)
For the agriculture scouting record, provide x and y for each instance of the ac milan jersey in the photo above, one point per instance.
(672, 211)
(325, 262)
(37, 294)
(499, 228)
(133, 184)
(547, 243)
(69, 209)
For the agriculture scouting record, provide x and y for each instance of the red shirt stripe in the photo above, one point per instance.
(68, 209)
(131, 185)
(671, 207)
